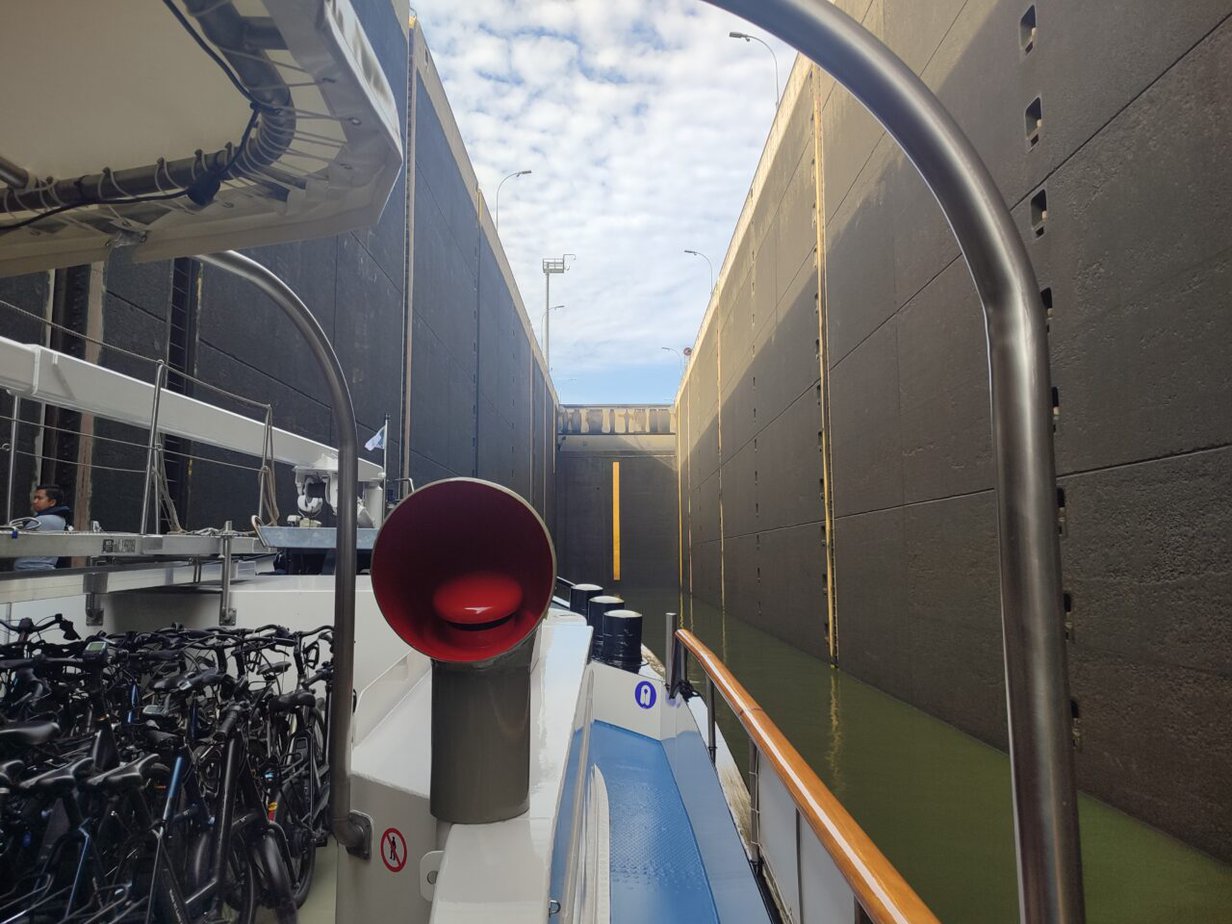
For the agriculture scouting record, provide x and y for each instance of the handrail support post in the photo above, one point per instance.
(677, 654)
(710, 738)
(754, 806)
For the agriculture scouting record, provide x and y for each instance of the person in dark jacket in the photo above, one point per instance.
(52, 515)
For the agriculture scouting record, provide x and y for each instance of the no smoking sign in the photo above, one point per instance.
(393, 850)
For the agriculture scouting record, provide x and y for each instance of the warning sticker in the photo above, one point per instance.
(393, 850)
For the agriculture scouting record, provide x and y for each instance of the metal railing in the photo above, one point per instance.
(1036, 680)
(879, 890)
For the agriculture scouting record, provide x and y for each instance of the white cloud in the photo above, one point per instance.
(643, 123)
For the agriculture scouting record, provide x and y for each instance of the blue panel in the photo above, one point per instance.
(657, 872)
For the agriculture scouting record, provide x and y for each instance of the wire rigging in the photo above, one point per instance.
(215, 56)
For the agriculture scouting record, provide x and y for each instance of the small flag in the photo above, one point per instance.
(377, 441)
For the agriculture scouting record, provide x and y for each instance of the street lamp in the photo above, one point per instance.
(708, 263)
(678, 356)
(546, 328)
(498, 189)
(754, 38)
(551, 266)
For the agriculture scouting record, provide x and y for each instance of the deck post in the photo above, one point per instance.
(8, 497)
(1036, 679)
(160, 379)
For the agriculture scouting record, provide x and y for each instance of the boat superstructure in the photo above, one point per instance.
(602, 740)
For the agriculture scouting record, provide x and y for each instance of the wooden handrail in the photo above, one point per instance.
(880, 889)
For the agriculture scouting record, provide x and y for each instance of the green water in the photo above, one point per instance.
(937, 801)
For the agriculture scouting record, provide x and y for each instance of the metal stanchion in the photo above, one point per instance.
(160, 376)
(8, 497)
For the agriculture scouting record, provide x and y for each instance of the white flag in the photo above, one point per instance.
(377, 441)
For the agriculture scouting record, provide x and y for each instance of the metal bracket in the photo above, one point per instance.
(429, 867)
(94, 612)
(94, 585)
(363, 847)
(226, 612)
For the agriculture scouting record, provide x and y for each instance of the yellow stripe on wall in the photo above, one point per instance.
(615, 521)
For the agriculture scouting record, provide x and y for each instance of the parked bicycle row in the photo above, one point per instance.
(179, 775)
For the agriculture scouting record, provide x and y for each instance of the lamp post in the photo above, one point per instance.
(551, 266)
(547, 350)
(678, 356)
(754, 38)
(498, 189)
(697, 253)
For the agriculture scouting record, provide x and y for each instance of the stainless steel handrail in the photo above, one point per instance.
(1049, 866)
(352, 829)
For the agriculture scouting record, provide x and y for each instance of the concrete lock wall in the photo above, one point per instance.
(750, 439)
(616, 484)
(454, 365)
(1107, 133)
(488, 408)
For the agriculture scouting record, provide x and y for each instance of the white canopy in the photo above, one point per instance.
(121, 128)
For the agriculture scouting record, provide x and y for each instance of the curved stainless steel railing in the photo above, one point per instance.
(1045, 802)
(352, 829)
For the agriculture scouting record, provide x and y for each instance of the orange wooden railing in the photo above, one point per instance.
(883, 894)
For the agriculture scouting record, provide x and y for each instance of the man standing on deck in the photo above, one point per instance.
(52, 515)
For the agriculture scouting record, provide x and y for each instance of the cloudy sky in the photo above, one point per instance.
(642, 122)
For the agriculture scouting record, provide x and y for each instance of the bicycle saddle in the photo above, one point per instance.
(293, 700)
(11, 771)
(59, 779)
(128, 776)
(199, 681)
(29, 734)
(169, 682)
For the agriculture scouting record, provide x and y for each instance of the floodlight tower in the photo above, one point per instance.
(551, 265)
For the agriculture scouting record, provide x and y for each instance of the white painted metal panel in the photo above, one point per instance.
(778, 831)
(621, 699)
(825, 896)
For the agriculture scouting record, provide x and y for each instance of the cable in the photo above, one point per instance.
(26, 222)
(217, 59)
(202, 192)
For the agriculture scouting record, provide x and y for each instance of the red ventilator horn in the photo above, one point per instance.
(463, 570)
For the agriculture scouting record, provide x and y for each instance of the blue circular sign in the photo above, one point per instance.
(644, 694)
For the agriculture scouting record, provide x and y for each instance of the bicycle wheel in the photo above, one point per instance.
(237, 901)
(295, 813)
